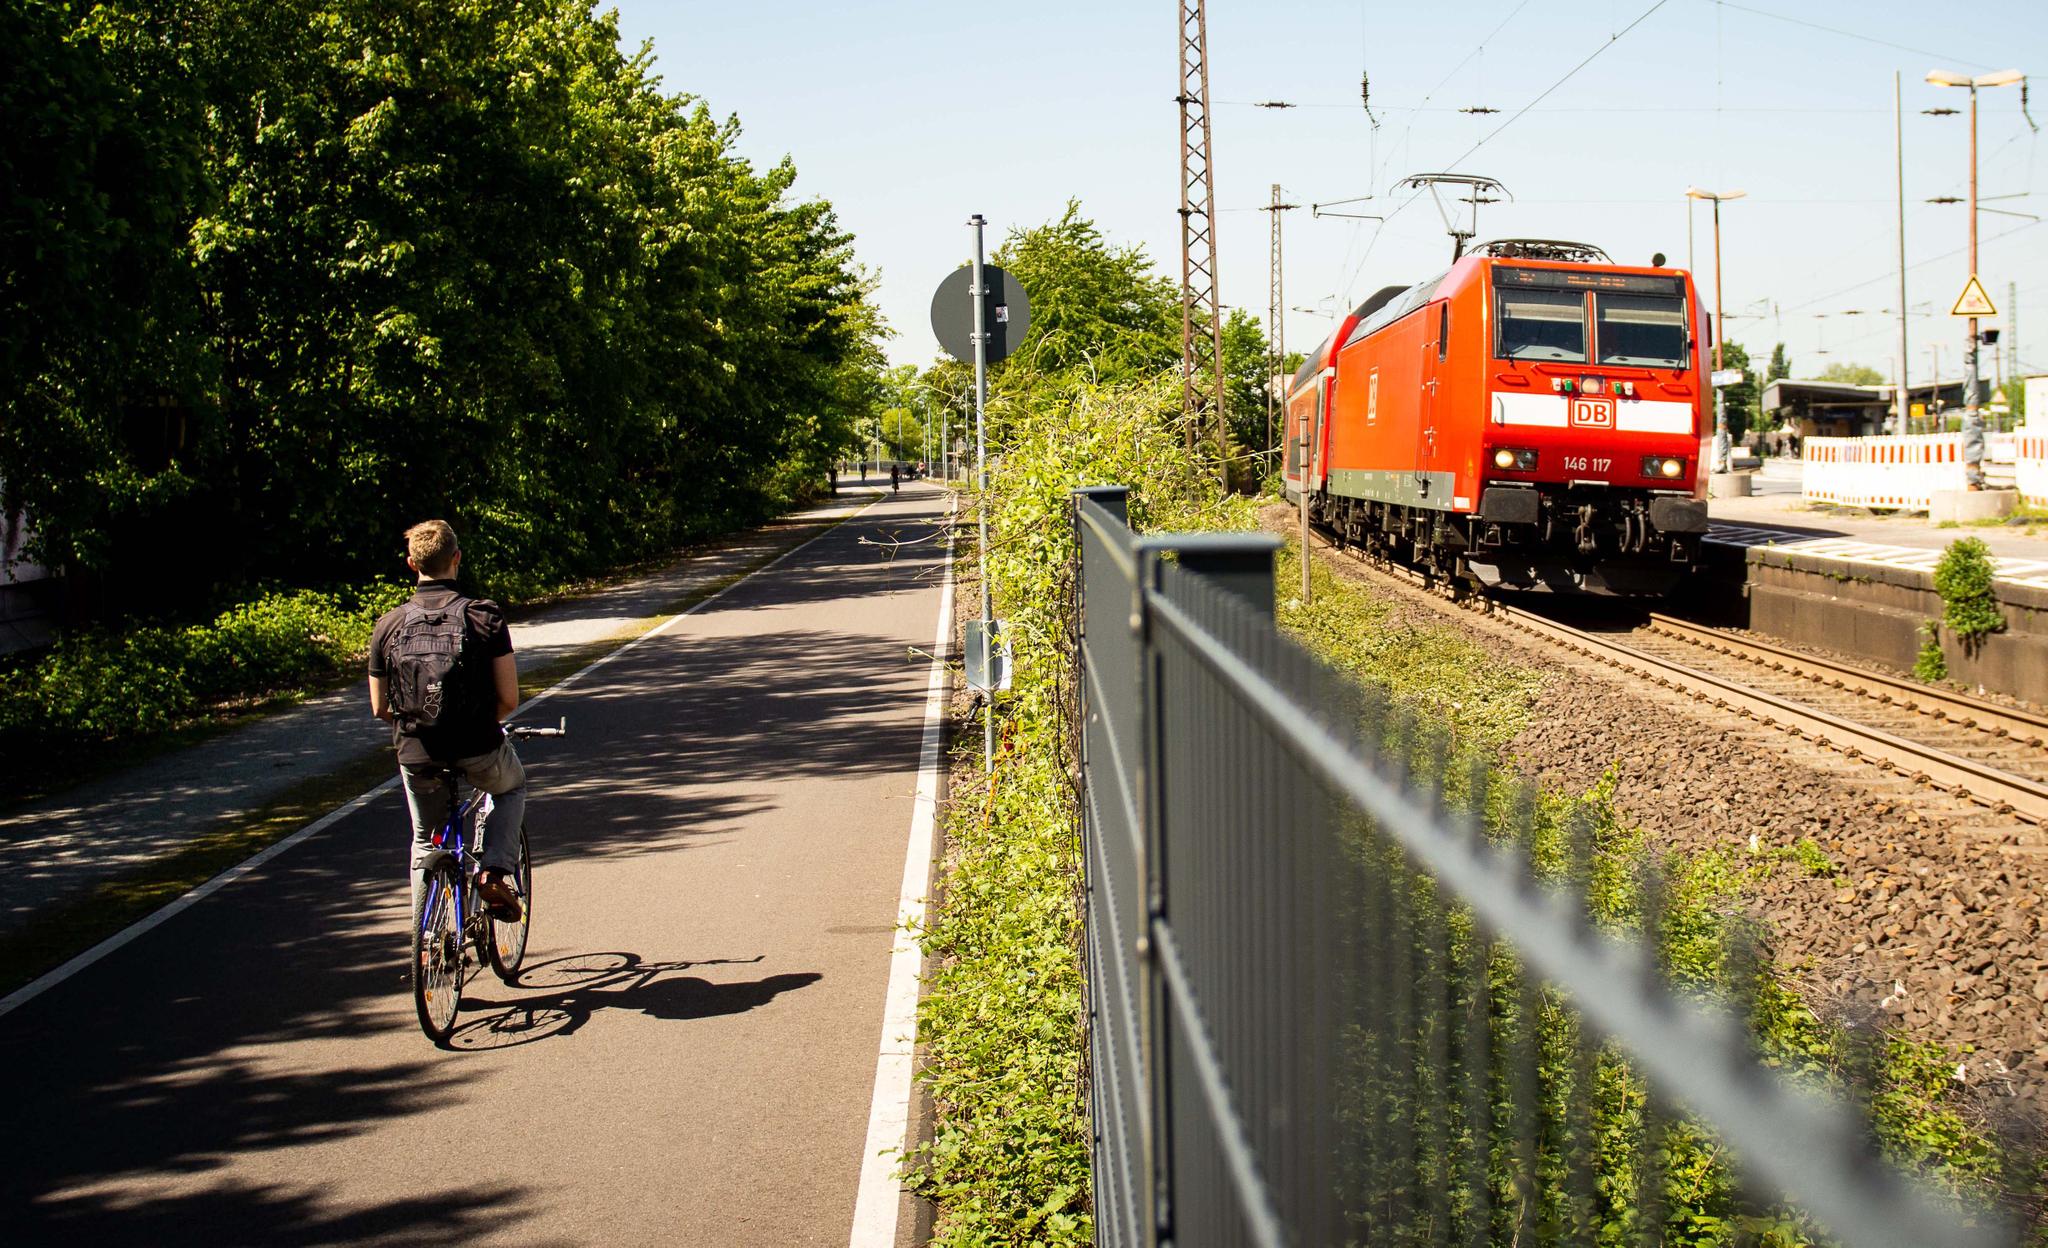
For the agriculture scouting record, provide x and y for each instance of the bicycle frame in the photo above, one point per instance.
(449, 838)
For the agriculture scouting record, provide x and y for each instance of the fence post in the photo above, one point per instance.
(1241, 565)
(1114, 499)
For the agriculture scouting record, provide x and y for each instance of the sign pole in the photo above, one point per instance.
(988, 726)
(1899, 170)
(1301, 496)
(1973, 419)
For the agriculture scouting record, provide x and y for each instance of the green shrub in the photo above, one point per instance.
(1002, 1011)
(1963, 578)
(107, 685)
(1930, 664)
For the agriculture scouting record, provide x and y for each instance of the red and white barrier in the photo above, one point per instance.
(2030, 466)
(1901, 471)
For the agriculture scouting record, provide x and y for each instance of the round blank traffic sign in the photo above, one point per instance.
(1006, 319)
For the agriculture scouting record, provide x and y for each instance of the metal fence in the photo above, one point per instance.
(1345, 984)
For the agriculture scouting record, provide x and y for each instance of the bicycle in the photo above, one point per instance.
(454, 933)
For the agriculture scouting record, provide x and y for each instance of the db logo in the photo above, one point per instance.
(1592, 413)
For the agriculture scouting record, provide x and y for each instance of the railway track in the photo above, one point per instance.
(2004, 735)
(1990, 755)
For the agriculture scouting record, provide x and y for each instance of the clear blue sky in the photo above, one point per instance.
(909, 115)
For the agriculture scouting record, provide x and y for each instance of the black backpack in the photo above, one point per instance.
(431, 685)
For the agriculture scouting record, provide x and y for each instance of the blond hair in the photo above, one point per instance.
(431, 546)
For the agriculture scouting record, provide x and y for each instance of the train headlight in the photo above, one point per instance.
(1511, 460)
(1665, 466)
(1592, 385)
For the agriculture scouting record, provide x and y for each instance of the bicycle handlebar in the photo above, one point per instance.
(523, 731)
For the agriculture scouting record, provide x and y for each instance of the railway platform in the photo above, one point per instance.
(1861, 584)
(1776, 515)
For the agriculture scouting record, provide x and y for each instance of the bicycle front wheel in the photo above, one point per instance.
(437, 955)
(507, 944)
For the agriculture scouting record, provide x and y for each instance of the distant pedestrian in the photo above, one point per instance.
(895, 476)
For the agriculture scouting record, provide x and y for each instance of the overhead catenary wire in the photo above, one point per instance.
(1613, 109)
(1849, 34)
(1519, 113)
(1946, 255)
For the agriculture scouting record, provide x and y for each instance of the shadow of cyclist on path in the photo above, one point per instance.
(559, 996)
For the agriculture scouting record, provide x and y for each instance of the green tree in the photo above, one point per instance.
(1741, 399)
(101, 360)
(1853, 374)
(370, 259)
(2014, 392)
(1245, 364)
(1780, 366)
(1097, 309)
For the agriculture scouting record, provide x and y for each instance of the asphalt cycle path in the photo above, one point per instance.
(690, 1053)
(55, 849)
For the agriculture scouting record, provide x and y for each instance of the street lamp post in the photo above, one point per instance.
(1720, 325)
(1973, 416)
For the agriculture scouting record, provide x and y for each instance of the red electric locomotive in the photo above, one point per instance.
(1534, 418)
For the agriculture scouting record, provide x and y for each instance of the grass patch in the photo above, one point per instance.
(1487, 701)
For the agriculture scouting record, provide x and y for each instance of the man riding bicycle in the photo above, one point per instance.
(442, 673)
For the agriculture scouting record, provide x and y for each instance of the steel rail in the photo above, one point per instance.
(1953, 708)
(1964, 777)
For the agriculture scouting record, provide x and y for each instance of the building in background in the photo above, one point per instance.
(1843, 409)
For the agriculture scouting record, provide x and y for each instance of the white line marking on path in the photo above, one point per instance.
(50, 979)
(880, 1195)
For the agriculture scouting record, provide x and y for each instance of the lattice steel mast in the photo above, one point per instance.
(1201, 348)
(1276, 327)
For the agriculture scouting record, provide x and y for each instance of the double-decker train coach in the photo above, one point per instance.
(1534, 418)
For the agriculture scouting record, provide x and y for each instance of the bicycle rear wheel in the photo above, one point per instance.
(437, 955)
(508, 940)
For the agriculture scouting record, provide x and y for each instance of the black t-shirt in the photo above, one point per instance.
(488, 637)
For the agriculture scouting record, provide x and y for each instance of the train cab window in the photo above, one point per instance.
(1542, 325)
(1643, 330)
(1443, 328)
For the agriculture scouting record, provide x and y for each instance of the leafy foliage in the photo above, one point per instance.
(1101, 315)
(130, 681)
(1097, 309)
(1963, 578)
(1854, 374)
(302, 272)
(1930, 664)
(1743, 399)
(1002, 1011)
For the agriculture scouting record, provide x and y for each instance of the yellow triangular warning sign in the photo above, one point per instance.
(1973, 301)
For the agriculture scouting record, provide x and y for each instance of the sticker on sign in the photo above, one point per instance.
(1727, 377)
(1973, 301)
